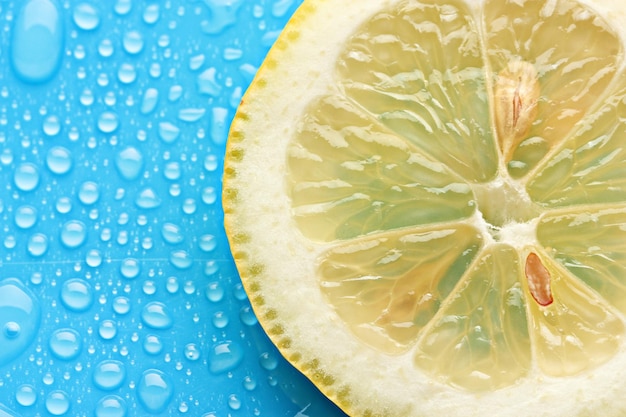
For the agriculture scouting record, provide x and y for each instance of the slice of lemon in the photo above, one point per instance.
(426, 201)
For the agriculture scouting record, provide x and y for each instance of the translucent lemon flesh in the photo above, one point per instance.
(412, 171)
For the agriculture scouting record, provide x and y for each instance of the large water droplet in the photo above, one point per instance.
(151, 14)
(86, 16)
(88, 193)
(25, 217)
(76, 295)
(26, 176)
(73, 234)
(133, 42)
(37, 245)
(157, 316)
(130, 268)
(59, 160)
(26, 395)
(109, 374)
(121, 305)
(155, 390)
(65, 344)
(181, 259)
(57, 403)
(171, 233)
(111, 406)
(225, 356)
(37, 41)
(129, 163)
(108, 122)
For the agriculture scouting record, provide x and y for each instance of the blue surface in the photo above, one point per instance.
(118, 293)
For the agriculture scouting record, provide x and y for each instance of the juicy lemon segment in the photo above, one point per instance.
(426, 201)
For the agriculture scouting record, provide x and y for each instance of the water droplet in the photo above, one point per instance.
(111, 406)
(191, 114)
(234, 402)
(176, 92)
(157, 316)
(210, 268)
(267, 361)
(215, 292)
(6, 158)
(210, 163)
(76, 295)
(37, 244)
(172, 171)
(189, 206)
(59, 160)
(86, 16)
(109, 374)
(151, 14)
(232, 54)
(126, 73)
(129, 163)
(57, 403)
(121, 305)
(171, 233)
(108, 122)
(26, 176)
(238, 292)
(147, 199)
(209, 195)
(51, 126)
(249, 383)
(12, 329)
(25, 217)
(219, 125)
(152, 345)
(220, 320)
(37, 41)
(122, 7)
(73, 234)
(155, 390)
(132, 42)
(207, 84)
(88, 193)
(196, 61)
(149, 101)
(105, 49)
(281, 7)
(26, 395)
(65, 344)
(107, 329)
(168, 132)
(223, 13)
(130, 268)
(181, 259)
(192, 352)
(64, 205)
(225, 356)
(93, 258)
(247, 317)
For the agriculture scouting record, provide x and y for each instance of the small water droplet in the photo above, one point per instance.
(232, 54)
(130, 268)
(57, 403)
(152, 345)
(172, 233)
(156, 315)
(210, 163)
(73, 234)
(247, 317)
(126, 73)
(122, 7)
(133, 42)
(111, 406)
(209, 195)
(149, 101)
(149, 287)
(220, 320)
(175, 92)
(148, 199)
(12, 329)
(151, 14)
(189, 206)
(238, 292)
(88, 193)
(109, 374)
(191, 114)
(26, 176)
(155, 390)
(225, 356)
(215, 292)
(234, 402)
(25, 217)
(65, 344)
(210, 268)
(105, 49)
(64, 205)
(181, 259)
(37, 244)
(268, 361)
(172, 171)
(108, 122)
(107, 329)
(93, 258)
(192, 352)
(207, 83)
(86, 16)
(249, 383)
(59, 160)
(76, 295)
(168, 132)
(219, 125)
(26, 395)
(121, 305)
(51, 125)
(129, 163)
(37, 41)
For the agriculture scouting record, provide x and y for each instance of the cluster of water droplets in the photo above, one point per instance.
(118, 295)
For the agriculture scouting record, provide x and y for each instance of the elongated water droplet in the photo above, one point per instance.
(155, 390)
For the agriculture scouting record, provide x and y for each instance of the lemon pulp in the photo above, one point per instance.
(462, 186)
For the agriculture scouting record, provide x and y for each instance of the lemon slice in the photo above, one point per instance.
(426, 201)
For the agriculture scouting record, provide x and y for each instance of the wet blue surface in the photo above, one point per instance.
(118, 293)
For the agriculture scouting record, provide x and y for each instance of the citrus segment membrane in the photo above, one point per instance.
(550, 35)
(389, 287)
(479, 340)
